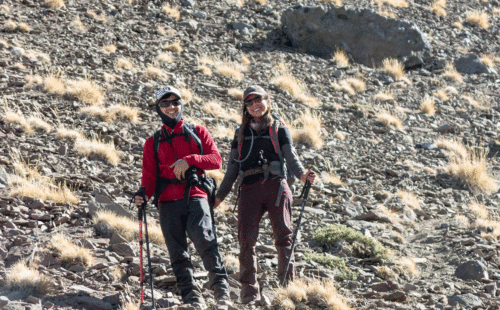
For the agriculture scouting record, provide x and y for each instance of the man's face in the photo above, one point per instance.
(172, 110)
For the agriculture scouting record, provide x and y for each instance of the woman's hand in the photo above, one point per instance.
(217, 202)
(309, 176)
(180, 167)
(139, 201)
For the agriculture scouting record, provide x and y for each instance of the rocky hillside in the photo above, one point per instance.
(405, 215)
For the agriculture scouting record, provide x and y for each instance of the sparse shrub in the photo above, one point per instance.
(427, 106)
(438, 7)
(110, 48)
(23, 277)
(9, 25)
(77, 24)
(340, 58)
(477, 18)
(96, 148)
(384, 96)
(174, 47)
(107, 222)
(394, 68)
(322, 294)
(307, 130)
(331, 234)
(334, 263)
(70, 253)
(86, 91)
(171, 11)
(165, 57)
(389, 120)
(53, 85)
(409, 199)
(124, 63)
(154, 72)
(55, 4)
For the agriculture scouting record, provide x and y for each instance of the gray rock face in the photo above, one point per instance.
(472, 64)
(469, 301)
(474, 270)
(366, 35)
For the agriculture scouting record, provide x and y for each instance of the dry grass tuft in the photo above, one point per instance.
(339, 135)
(479, 210)
(130, 305)
(85, 91)
(124, 63)
(457, 25)
(235, 93)
(110, 48)
(394, 68)
(384, 96)
(454, 146)
(55, 4)
(430, 170)
(472, 171)
(222, 131)
(396, 3)
(427, 106)
(153, 72)
(165, 57)
(217, 175)
(70, 253)
(53, 85)
(409, 199)
(109, 78)
(389, 120)
(11, 117)
(476, 104)
(340, 58)
(231, 263)
(107, 221)
(23, 277)
(496, 11)
(77, 24)
(95, 111)
(99, 149)
(216, 110)
(39, 124)
(329, 177)
(4, 9)
(70, 134)
(477, 18)
(409, 265)
(229, 68)
(318, 293)
(438, 7)
(488, 61)
(171, 11)
(245, 60)
(387, 13)
(307, 130)
(451, 73)
(33, 80)
(9, 25)
(187, 94)
(442, 94)
(288, 83)
(24, 27)
(174, 47)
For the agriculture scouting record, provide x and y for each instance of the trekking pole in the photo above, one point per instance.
(143, 207)
(140, 215)
(305, 193)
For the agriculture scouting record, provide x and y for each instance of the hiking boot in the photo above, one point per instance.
(223, 300)
(194, 297)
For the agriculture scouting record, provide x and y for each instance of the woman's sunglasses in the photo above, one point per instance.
(166, 103)
(251, 102)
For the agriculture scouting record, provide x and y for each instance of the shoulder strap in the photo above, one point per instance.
(156, 147)
(273, 133)
(191, 132)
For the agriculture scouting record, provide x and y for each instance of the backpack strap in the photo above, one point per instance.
(191, 132)
(273, 133)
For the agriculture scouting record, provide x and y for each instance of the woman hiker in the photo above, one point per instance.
(167, 156)
(261, 146)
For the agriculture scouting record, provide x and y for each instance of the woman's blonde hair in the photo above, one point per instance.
(246, 118)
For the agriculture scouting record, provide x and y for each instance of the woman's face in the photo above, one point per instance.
(172, 110)
(256, 106)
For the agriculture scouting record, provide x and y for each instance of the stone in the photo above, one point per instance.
(48, 305)
(32, 300)
(123, 249)
(117, 238)
(472, 64)
(397, 296)
(472, 270)
(63, 150)
(188, 3)
(366, 35)
(4, 301)
(94, 303)
(469, 301)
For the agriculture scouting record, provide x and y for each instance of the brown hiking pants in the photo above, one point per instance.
(275, 197)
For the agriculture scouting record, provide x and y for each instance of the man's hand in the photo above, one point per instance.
(139, 201)
(138, 197)
(180, 167)
(309, 176)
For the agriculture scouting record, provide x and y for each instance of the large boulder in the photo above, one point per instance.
(472, 64)
(366, 35)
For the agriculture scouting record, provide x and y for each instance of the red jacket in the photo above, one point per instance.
(208, 161)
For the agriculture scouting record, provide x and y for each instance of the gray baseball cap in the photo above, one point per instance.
(167, 90)
(254, 90)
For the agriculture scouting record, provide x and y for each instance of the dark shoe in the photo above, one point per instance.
(194, 297)
(223, 299)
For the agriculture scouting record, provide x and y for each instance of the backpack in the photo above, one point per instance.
(206, 183)
(273, 134)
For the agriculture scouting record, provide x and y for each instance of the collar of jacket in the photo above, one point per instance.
(177, 127)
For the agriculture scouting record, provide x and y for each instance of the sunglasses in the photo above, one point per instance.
(251, 102)
(166, 103)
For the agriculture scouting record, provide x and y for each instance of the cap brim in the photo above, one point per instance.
(254, 93)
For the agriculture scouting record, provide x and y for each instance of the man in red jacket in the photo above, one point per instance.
(179, 215)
